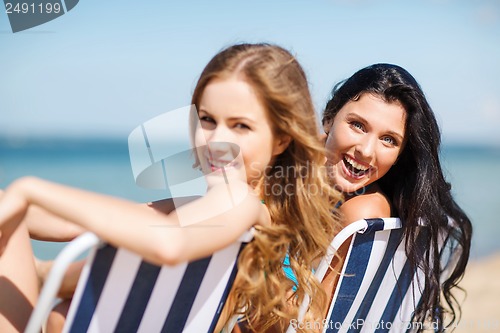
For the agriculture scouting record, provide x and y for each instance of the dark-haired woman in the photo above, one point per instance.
(383, 154)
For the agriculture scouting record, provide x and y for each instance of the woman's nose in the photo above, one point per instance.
(218, 134)
(221, 143)
(366, 146)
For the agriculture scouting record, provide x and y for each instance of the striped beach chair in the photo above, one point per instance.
(120, 292)
(377, 291)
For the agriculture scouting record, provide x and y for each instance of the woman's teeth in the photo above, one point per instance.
(221, 164)
(355, 166)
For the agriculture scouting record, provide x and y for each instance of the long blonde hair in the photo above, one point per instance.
(295, 189)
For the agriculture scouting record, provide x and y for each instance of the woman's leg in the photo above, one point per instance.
(57, 317)
(18, 282)
(70, 278)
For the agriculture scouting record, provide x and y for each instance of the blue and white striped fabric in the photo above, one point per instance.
(378, 290)
(119, 292)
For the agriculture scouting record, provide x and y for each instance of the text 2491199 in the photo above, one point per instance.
(32, 8)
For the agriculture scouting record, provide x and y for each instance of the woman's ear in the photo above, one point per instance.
(327, 127)
(281, 144)
(323, 137)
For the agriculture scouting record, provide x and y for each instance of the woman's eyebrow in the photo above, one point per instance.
(355, 115)
(242, 118)
(360, 118)
(396, 134)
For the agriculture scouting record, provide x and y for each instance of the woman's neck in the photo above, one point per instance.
(370, 188)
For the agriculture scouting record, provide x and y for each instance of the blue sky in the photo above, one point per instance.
(107, 66)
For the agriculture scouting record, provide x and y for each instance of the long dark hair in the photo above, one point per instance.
(416, 186)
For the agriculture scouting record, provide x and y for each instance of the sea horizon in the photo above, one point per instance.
(103, 165)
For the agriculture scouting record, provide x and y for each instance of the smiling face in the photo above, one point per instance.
(364, 141)
(234, 132)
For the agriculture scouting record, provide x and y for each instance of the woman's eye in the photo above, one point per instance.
(206, 119)
(242, 126)
(357, 124)
(207, 122)
(389, 140)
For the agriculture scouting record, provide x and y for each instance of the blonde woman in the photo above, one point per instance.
(252, 98)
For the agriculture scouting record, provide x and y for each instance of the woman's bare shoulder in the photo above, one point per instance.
(369, 205)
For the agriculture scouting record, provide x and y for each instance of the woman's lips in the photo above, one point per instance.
(219, 165)
(355, 169)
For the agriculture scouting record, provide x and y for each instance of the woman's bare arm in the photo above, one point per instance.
(190, 232)
(71, 276)
(46, 227)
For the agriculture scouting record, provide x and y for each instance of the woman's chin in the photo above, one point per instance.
(217, 178)
(347, 187)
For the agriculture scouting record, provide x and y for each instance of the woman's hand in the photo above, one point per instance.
(13, 208)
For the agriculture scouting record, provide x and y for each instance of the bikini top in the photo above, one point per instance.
(286, 262)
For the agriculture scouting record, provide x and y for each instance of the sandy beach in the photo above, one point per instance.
(481, 308)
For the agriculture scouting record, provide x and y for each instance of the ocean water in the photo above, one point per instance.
(473, 174)
(104, 166)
